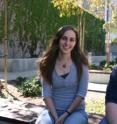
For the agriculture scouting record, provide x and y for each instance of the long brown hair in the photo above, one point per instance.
(47, 63)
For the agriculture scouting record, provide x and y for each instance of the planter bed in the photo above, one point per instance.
(99, 76)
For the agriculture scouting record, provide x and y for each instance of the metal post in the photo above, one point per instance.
(107, 38)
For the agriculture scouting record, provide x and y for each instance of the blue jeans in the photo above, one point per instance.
(104, 121)
(77, 117)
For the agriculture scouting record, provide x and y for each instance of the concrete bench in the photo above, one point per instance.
(17, 112)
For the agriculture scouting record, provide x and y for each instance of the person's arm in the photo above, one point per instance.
(51, 107)
(47, 96)
(111, 98)
(81, 93)
(111, 113)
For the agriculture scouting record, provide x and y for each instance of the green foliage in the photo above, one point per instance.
(20, 80)
(108, 66)
(95, 67)
(114, 40)
(114, 16)
(94, 35)
(67, 7)
(31, 88)
(34, 21)
(104, 65)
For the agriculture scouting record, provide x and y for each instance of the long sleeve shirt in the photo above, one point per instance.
(64, 90)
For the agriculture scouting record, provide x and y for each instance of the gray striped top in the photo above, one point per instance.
(64, 90)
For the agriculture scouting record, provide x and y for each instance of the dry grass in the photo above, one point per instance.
(95, 102)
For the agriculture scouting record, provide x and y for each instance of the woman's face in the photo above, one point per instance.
(67, 42)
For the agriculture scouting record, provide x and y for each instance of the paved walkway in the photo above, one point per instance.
(97, 87)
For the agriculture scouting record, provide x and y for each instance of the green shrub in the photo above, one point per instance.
(95, 67)
(31, 87)
(114, 40)
(103, 65)
(20, 80)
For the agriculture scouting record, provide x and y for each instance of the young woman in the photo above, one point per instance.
(64, 78)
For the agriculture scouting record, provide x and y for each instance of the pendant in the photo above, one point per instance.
(64, 65)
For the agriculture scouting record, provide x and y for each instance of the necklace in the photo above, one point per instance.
(64, 65)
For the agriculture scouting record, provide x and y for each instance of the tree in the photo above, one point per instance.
(70, 7)
(1, 19)
(79, 8)
(114, 17)
(33, 22)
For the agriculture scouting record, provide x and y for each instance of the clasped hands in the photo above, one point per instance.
(61, 119)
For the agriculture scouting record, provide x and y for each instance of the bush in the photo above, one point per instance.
(31, 87)
(104, 66)
(20, 80)
(114, 40)
(95, 67)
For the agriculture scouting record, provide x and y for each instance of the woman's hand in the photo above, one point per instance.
(61, 119)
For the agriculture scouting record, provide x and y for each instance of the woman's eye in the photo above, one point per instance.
(64, 38)
(72, 39)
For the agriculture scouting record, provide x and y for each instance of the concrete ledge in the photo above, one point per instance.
(95, 87)
(94, 118)
(99, 71)
(17, 112)
(98, 76)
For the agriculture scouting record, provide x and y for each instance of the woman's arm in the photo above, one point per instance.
(75, 104)
(47, 96)
(82, 90)
(50, 105)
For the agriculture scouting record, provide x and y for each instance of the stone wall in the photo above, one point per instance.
(28, 64)
(19, 65)
(114, 49)
(15, 50)
(97, 59)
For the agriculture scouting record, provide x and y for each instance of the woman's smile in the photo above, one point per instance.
(67, 42)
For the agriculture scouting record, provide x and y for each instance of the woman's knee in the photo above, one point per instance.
(77, 118)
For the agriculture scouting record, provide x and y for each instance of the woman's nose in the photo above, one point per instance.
(67, 41)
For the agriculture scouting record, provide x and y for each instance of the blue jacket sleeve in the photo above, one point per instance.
(83, 83)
